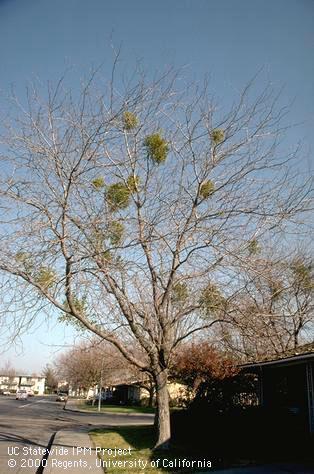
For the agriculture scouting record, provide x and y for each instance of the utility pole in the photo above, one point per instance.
(100, 385)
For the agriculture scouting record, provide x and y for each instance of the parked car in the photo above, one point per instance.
(62, 397)
(21, 395)
(6, 392)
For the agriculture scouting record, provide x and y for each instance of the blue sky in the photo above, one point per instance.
(228, 40)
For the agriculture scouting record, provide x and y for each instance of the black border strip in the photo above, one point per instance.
(41, 468)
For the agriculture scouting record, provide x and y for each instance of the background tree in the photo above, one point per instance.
(8, 369)
(10, 372)
(86, 364)
(127, 207)
(273, 310)
(81, 367)
(51, 382)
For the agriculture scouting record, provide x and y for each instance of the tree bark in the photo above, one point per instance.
(162, 417)
(151, 397)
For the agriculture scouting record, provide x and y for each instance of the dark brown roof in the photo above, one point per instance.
(298, 353)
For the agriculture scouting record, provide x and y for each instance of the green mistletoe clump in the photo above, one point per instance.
(116, 231)
(118, 196)
(211, 300)
(207, 189)
(217, 136)
(254, 247)
(98, 182)
(130, 121)
(156, 147)
(133, 183)
(45, 277)
(179, 293)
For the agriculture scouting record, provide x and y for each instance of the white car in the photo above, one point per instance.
(21, 395)
(6, 392)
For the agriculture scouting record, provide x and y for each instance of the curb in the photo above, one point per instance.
(77, 410)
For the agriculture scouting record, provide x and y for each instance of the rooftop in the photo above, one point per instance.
(296, 354)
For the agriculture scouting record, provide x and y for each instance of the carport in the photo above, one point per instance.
(285, 384)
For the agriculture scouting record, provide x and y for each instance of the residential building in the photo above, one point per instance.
(33, 383)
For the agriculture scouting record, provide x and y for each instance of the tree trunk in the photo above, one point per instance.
(151, 391)
(162, 417)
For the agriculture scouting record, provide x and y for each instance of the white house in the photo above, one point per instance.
(28, 382)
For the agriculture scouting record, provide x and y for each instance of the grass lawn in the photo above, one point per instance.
(117, 408)
(138, 457)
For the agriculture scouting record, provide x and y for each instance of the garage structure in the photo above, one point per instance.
(286, 383)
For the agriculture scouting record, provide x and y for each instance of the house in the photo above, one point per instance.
(27, 382)
(286, 385)
(125, 394)
(122, 388)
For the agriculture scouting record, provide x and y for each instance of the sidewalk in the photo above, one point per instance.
(72, 452)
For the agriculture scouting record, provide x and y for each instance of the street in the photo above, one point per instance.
(27, 428)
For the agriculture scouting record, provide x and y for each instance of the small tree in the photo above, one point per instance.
(81, 367)
(86, 364)
(51, 382)
(128, 211)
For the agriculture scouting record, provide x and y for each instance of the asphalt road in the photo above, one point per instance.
(27, 427)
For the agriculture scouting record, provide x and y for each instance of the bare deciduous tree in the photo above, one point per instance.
(51, 379)
(10, 373)
(273, 310)
(81, 367)
(127, 208)
(86, 364)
